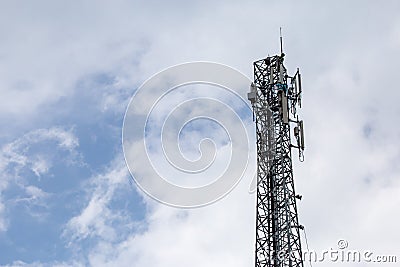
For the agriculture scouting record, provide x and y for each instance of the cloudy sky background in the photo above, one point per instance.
(67, 71)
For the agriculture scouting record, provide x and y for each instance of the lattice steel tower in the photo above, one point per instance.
(275, 96)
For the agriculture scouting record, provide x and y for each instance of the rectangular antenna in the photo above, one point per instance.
(253, 93)
(301, 135)
(285, 114)
(300, 84)
(300, 91)
(271, 78)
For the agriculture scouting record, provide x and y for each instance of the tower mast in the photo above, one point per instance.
(275, 97)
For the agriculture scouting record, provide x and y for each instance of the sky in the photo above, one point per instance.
(69, 69)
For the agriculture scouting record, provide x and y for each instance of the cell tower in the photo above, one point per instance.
(275, 96)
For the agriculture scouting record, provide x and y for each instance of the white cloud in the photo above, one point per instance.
(40, 166)
(34, 194)
(17, 157)
(39, 264)
(43, 62)
(348, 54)
(171, 237)
(97, 219)
(344, 72)
(17, 151)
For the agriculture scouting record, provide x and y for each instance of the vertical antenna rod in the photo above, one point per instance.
(280, 35)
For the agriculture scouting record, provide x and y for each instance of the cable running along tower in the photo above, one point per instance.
(275, 96)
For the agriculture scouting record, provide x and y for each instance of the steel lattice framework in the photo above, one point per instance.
(275, 96)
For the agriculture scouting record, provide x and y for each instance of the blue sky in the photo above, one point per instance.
(36, 224)
(68, 70)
